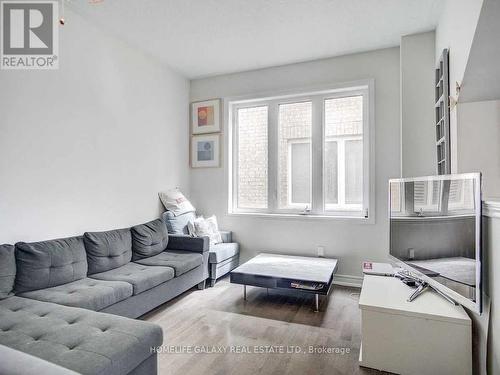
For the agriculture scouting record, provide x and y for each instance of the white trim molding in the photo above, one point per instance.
(348, 280)
(491, 209)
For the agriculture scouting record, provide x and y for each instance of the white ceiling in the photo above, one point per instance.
(208, 37)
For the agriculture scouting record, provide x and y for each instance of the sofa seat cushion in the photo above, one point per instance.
(223, 251)
(141, 277)
(86, 293)
(108, 250)
(149, 239)
(180, 261)
(81, 340)
(7, 270)
(49, 263)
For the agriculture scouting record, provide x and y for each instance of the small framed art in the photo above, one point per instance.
(205, 116)
(205, 151)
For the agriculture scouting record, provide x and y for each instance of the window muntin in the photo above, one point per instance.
(348, 130)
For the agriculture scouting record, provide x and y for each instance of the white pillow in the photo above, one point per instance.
(191, 228)
(207, 227)
(201, 227)
(214, 229)
(176, 202)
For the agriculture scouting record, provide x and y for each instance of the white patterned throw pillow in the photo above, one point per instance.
(176, 202)
(214, 229)
(202, 227)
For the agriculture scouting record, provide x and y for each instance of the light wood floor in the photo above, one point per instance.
(218, 316)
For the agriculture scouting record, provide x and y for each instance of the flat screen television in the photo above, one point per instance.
(435, 233)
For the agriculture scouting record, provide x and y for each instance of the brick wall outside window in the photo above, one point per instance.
(252, 157)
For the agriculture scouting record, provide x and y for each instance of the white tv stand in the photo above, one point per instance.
(426, 336)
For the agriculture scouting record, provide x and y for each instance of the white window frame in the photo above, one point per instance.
(317, 95)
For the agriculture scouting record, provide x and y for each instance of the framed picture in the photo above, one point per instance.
(205, 151)
(205, 116)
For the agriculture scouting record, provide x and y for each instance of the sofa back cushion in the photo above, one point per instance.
(108, 250)
(7, 270)
(50, 263)
(149, 239)
(178, 224)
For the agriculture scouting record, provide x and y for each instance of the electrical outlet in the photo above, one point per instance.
(411, 253)
(321, 251)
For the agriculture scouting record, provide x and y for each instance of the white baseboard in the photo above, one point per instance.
(348, 280)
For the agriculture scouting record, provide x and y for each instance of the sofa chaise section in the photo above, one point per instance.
(26, 364)
(78, 339)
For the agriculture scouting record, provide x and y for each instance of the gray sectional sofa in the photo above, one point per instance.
(65, 304)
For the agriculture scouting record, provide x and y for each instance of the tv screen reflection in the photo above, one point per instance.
(433, 230)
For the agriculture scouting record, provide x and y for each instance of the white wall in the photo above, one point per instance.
(351, 242)
(455, 31)
(482, 77)
(478, 143)
(88, 147)
(418, 129)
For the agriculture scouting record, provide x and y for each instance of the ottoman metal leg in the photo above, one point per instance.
(201, 285)
(316, 300)
(245, 292)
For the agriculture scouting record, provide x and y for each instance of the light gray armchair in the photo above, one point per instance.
(223, 257)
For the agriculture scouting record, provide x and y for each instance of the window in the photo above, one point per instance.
(294, 155)
(461, 197)
(301, 154)
(252, 157)
(343, 153)
(427, 196)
